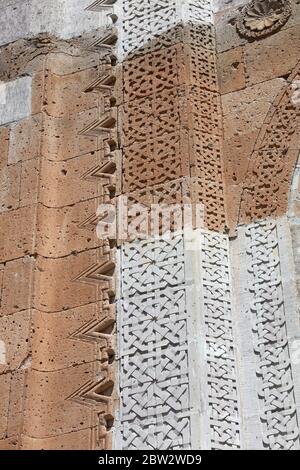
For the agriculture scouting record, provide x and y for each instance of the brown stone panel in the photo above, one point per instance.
(16, 234)
(54, 342)
(4, 144)
(231, 70)
(29, 187)
(51, 408)
(11, 405)
(11, 443)
(76, 440)
(63, 93)
(266, 187)
(10, 187)
(56, 281)
(16, 400)
(245, 111)
(59, 181)
(17, 285)
(25, 139)
(4, 403)
(61, 63)
(14, 332)
(154, 72)
(38, 89)
(274, 56)
(62, 140)
(59, 232)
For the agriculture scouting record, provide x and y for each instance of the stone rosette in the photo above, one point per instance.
(260, 18)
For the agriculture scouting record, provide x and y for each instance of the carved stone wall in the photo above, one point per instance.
(162, 102)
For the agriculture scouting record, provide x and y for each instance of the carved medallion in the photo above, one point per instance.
(262, 17)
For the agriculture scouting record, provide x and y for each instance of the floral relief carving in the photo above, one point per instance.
(260, 18)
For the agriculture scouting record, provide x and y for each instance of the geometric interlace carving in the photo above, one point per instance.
(220, 351)
(154, 381)
(280, 428)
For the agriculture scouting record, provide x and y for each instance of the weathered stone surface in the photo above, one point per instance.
(55, 344)
(275, 56)
(59, 232)
(15, 100)
(14, 337)
(25, 139)
(16, 236)
(49, 414)
(17, 285)
(64, 93)
(61, 139)
(56, 282)
(65, 18)
(231, 70)
(76, 440)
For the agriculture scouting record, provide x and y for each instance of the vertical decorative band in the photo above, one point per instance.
(275, 390)
(220, 351)
(153, 344)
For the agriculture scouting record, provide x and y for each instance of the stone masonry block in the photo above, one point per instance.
(14, 334)
(17, 284)
(16, 234)
(61, 140)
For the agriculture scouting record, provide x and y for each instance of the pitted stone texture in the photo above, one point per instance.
(15, 100)
(57, 279)
(59, 181)
(64, 95)
(64, 18)
(59, 232)
(17, 285)
(16, 237)
(25, 139)
(48, 414)
(62, 140)
(54, 347)
(14, 333)
(76, 440)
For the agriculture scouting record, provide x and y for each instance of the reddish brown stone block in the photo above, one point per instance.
(56, 282)
(11, 405)
(60, 180)
(10, 187)
(231, 70)
(55, 344)
(16, 233)
(38, 89)
(4, 143)
(60, 63)
(17, 284)
(274, 56)
(245, 110)
(51, 407)
(76, 440)
(61, 139)
(11, 443)
(59, 230)
(64, 94)
(4, 403)
(14, 332)
(16, 400)
(29, 182)
(25, 139)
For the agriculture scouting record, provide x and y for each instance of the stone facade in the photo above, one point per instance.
(189, 338)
